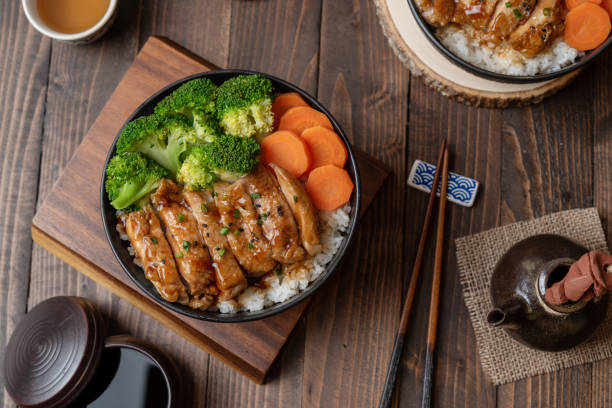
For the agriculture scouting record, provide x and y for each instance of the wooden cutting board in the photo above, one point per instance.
(69, 224)
(424, 60)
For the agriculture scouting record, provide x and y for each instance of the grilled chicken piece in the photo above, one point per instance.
(436, 12)
(277, 222)
(475, 13)
(302, 208)
(229, 277)
(245, 237)
(543, 26)
(508, 15)
(147, 237)
(182, 233)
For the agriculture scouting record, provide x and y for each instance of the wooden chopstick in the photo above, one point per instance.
(434, 301)
(398, 347)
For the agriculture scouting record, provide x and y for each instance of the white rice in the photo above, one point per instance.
(294, 279)
(504, 59)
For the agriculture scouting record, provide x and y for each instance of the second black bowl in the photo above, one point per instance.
(429, 32)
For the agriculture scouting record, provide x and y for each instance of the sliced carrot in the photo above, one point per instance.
(572, 4)
(283, 102)
(287, 150)
(587, 26)
(329, 187)
(607, 5)
(326, 147)
(301, 118)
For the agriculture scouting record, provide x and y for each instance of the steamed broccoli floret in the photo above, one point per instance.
(195, 100)
(226, 158)
(232, 154)
(206, 127)
(196, 94)
(244, 106)
(195, 173)
(161, 138)
(130, 177)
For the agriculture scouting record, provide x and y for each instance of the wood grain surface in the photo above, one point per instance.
(530, 161)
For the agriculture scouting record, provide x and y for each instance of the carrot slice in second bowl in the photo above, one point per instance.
(586, 27)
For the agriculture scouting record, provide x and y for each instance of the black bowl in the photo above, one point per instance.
(517, 79)
(135, 273)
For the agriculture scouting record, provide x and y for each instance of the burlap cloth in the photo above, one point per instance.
(503, 358)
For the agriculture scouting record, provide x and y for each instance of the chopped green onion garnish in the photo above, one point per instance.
(264, 216)
(508, 4)
(260, 222)
(179, 255)
(154, 240)
(186, 245)
(224, 231)
(250, 245)
(546, 12)
(204, 208)
(517, 13)
(179, 216)
(236, 213)
(295, 199)
(222, 252)
(256, 195)
(237, 232)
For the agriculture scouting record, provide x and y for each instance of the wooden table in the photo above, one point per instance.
(531, 162)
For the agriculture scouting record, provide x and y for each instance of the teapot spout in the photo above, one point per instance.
(510, 314)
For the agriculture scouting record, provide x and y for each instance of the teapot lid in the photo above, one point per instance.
(54, 352)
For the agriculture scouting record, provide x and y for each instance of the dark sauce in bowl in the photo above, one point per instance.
(125, 378)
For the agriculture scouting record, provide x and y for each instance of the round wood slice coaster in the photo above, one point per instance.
(424, 60)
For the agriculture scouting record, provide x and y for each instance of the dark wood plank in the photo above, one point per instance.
(601, 376)
(281, 38)
(278, 37)
(203, 27)
(547, 167)
(24, 63)
(351, 324)
(476, 153)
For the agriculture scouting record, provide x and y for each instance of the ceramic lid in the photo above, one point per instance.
(54, 352)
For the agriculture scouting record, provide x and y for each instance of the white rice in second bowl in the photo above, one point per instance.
(504, 59)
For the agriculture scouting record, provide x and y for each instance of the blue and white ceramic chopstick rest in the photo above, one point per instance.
(461, 190)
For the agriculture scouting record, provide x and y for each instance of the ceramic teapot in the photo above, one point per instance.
(518, 287)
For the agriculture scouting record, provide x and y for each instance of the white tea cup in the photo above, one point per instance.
(84, 37)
